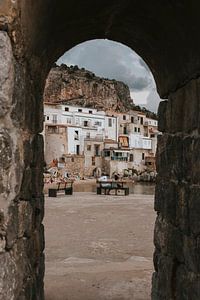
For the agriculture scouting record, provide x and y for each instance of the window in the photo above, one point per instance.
(53, 129)
(68, 120)
(97, 123)
(54, 119)
(132, 119)
(88, 135)
(138, 129)
(142, 156)
(76, 137)
(90, 111)
(106, 153)
(93, 161)
(135, 129)
(85, 123)
(110, 122)
(125, 130)
(124, 117)
(66, 108)
(77, 149)
(88, 147)
(141, 121)
(47, 118)
(97, 150)
(80, 110)
(131, 157)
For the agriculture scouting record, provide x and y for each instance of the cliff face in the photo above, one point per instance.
(76, 86)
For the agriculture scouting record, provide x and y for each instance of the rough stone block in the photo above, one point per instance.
(25, 218)
(169, 157)
(191, 249)
(166, 199)
(182, 112)
(191, 159)
(187, 284)
(38, 151)
(38, 208)
(162, 281)
(28, 153)
(8, 272)
(178, 158)
(25, 192)
(162, 116)
(19, 96)
(37, 182)
(168, 239)
(5, 150)
(194, 209)
(12, 226)
(39, 243)
(6, 74)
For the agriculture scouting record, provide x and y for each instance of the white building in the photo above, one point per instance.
(81, 123)
(72, 130)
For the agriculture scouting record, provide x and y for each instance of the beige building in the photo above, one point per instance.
(93, 148)
(55, 142)
(82, 140)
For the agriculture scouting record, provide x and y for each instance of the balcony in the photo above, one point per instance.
(118, 158)
(97, 138)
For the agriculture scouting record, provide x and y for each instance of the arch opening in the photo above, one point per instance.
(166, 36)
(117, 252)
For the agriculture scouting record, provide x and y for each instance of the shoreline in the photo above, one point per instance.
(89, 185)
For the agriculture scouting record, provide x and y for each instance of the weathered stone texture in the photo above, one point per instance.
(181, 113)
(22, 202)
(6, 74)
(177, 199)
(178, 157)
(6, 154)
(5, 149)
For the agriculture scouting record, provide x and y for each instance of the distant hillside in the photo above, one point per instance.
(74, 86)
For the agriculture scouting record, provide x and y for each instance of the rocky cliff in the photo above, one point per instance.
(76, 86)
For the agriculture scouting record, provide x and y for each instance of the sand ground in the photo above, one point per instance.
(99, 247)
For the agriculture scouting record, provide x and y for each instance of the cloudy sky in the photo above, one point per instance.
(115, 61)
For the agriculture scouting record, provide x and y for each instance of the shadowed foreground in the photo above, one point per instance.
(99, 248)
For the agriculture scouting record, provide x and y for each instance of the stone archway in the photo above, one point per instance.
(33, 34)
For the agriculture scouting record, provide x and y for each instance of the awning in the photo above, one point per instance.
(127, 151)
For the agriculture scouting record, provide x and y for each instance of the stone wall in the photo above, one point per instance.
(166, 35)
(21, 180)
(74, 164)
(177, 199)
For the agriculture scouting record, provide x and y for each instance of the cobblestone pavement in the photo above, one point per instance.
(99, 247)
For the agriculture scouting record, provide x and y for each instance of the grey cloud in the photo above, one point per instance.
(111, 60)
(153, 100)
(144, 65)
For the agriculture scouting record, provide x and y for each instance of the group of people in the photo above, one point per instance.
(105, 177)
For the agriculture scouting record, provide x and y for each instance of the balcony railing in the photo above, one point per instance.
(116, 158)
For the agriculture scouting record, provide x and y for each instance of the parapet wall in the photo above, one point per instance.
(177, 199)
